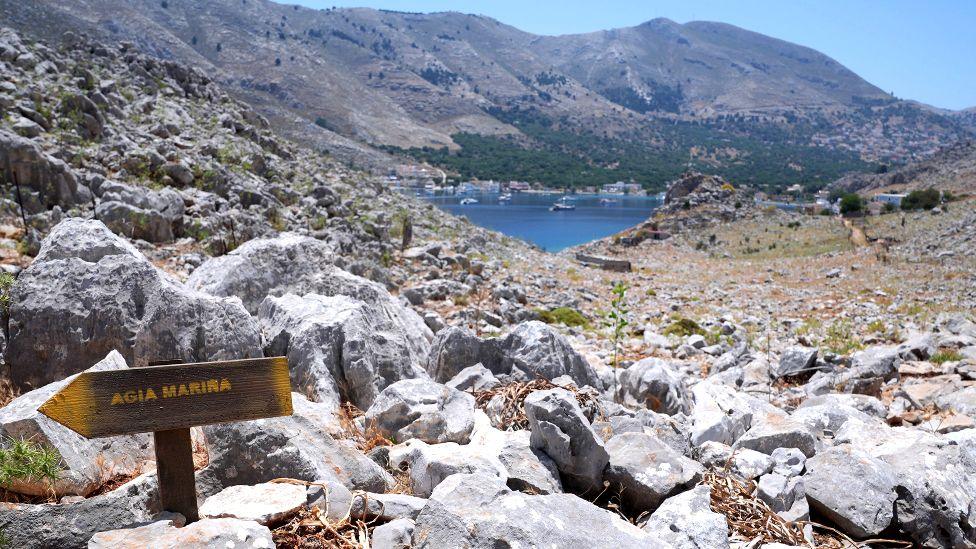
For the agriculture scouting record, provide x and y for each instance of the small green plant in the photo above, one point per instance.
(616, 320)
(839, 338)
(23, 459)
(684, 327)
(946, 355)
(563, 315)
(6, 282)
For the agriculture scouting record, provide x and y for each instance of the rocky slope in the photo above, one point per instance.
(952, 169)
(413, 80)
(147, 214)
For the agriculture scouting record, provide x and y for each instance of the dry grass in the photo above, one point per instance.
(750, 519)
(7, 391)
(512, 415)
(365, 439)
(312, 528)
(748, 516)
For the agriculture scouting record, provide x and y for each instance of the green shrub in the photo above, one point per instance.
(22, 459)
(921, 200)
(563, 315)
(851, 203)
(6, 281)
(684, 327)
(946, 355)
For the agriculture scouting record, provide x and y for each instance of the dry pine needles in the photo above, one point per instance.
(507, 412)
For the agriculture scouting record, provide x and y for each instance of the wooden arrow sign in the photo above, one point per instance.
(162, 398)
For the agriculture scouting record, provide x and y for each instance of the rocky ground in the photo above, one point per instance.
(778, 383)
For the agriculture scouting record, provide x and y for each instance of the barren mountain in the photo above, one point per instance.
(348, 80)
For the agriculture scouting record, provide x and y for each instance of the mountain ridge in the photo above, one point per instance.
(352, 80)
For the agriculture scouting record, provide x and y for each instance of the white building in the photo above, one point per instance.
(890, 198)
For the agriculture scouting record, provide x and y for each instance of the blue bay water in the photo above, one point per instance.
(527, 216)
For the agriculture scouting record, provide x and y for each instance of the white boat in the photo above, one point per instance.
(607, 201)
(507, 197)
(466, 201)
(561, 205)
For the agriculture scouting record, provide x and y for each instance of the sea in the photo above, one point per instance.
(527, 215)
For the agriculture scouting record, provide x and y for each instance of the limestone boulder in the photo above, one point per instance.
(73, 524)
(654, 384)
(268, 503)
(422, 409)
(89, 292)
(300, 446)
(532, 349)
(339, 348)
(561, 431)
(140, 213)
(205, 533)
(686, 521)
(647, 471)
(481, 512)
(45, 181)
(300, 265)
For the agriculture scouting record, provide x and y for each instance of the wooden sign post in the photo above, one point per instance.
(167, 401)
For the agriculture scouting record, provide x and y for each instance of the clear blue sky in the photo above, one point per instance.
(923, 50)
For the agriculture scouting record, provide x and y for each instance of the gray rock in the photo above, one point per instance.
(396, 534)
(720, 414)
(528, 469)
(794, 361)
(647, 471)
(686, 521)
(827, 417)
(656, 385)
(876, 362)
(429, 465)
(206, 533)
(288, 263)
(338, 348)
(85, 464)
(27, 127)
(89, 292)
(135, 212)
(477, 378)
(481, 513)
(936, 485)
(785, 496)
(267, 503)
(533, 349)
(777, 432)
(422, 409)
(73, 524)
(434, 321)
(788, 462)
(45, 181)
(855, 490)
(867, 404)
(560, 429)
(299, 446)
(745, 463)
(301, 265)
(918, 346)
(386, 506)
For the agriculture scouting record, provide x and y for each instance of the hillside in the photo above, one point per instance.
(750, 107)
(950, 169)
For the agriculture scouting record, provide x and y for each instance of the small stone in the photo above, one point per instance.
(268, 503)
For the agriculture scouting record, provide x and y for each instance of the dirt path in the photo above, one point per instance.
(858, 239)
